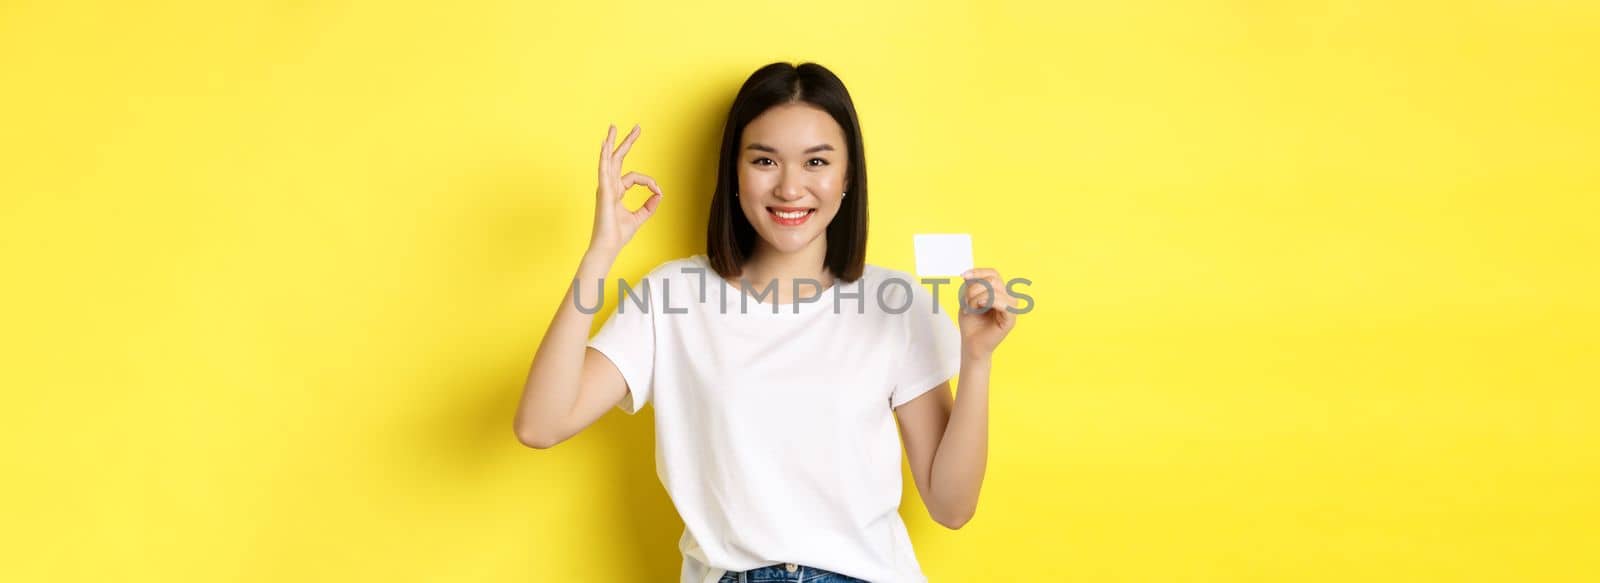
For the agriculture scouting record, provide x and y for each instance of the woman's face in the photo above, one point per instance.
(792, 157)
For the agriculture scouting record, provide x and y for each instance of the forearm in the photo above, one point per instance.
(963, 453)
(553, 384)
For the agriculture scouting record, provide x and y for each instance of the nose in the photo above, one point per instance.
(790, 187)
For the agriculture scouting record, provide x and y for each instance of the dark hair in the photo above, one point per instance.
(730, 239)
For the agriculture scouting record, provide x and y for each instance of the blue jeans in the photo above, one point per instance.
(780, 572)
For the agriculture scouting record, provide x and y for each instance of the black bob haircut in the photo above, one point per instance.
(730, 239)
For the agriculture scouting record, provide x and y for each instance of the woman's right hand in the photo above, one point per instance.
(614, 224)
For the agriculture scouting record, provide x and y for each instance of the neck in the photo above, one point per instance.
(768, 264)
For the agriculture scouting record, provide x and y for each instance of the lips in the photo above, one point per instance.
(790, 216)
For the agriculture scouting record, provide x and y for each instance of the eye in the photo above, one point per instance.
(758, 161)
(823, 162)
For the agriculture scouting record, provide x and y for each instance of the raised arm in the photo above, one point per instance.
(569, 385)
(947, 439)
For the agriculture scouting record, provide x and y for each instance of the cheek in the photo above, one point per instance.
(830, 181)
(755, 181)
(837, 177)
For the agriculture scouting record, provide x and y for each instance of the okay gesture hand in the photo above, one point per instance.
(614, 224)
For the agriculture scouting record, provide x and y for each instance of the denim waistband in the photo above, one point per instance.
(790, 572)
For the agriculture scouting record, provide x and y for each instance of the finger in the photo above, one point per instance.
(977, 272)
(627, 144)
(632, 178)
(1004, 303)
(644, 212)
(976, 305)
(999, 288)
(976, 288)
(605, 146)
(995, 289)
(978, 298)
(605, 150)
(977, 295)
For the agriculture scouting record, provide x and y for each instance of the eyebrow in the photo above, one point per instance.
(766, 148)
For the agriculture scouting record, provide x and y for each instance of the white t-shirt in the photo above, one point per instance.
(775, 432)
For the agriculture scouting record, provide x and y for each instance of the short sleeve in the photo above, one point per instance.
(627, 338)
(933, 348)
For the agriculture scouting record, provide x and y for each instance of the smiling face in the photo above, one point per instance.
(792, 175)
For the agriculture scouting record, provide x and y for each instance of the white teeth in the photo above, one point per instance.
(789, 215)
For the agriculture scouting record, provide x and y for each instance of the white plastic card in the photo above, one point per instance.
(943, 254)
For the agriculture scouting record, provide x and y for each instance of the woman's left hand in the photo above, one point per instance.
(983, 329)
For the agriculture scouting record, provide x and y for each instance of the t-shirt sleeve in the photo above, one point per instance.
(933, 348)
(628, 338)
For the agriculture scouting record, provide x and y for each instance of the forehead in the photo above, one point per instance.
(794, 126)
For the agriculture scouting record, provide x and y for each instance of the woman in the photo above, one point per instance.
(775, 420)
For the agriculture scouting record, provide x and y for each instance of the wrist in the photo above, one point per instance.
(976, 357)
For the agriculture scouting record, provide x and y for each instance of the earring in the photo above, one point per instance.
(844, 194)
(735, 193)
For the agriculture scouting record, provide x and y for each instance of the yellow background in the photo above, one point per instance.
(1315, 281)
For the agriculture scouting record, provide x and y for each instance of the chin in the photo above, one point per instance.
(786, 245)
(790, 242)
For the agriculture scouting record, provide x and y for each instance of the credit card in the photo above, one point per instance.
(943, 254)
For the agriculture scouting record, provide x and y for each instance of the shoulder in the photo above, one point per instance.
(690, 273)
(875, 271)
(674, 268)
